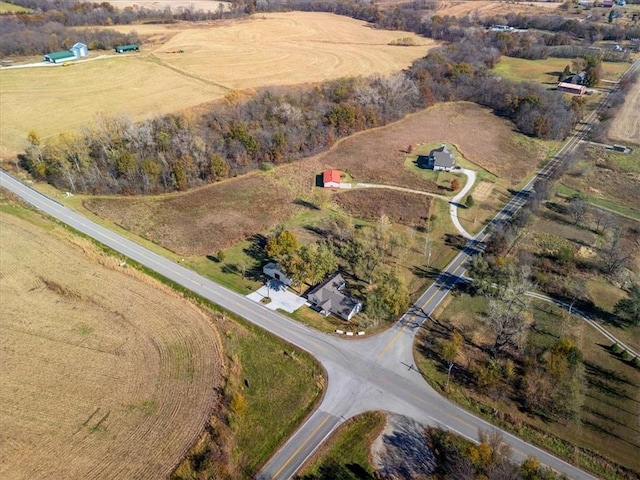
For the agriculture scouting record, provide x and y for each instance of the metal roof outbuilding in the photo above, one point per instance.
(56, 57)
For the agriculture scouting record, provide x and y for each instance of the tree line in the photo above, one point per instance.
(177, 152)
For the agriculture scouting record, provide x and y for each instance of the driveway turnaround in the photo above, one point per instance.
(281, 297)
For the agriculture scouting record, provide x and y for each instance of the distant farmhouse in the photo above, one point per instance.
(331, 179)
(77, 51)
(576, 79)
(328, 298)
(133, 47)
(572, 88)
(441, 158)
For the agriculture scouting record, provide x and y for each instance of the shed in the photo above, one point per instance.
(273, 270)
(60, 57)
(132, 47)
(80, 50)
(572, 88)
(331, 179)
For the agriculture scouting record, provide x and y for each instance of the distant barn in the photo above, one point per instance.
(331, 179)
(572, 88)
(133, 47)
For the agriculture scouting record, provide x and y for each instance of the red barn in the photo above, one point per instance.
(572, 88)
(331, 179)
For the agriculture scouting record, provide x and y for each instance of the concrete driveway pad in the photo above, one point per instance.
(281, 298)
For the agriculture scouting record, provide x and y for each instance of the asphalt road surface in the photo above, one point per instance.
(372, 374)
(376, 373)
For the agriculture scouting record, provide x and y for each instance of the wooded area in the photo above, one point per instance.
(279, 125)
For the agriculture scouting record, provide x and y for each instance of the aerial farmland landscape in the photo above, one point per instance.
(317, 239)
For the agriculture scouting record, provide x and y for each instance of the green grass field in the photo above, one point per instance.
(11, 8)
(546, 71)
(283, 386)
(349, 445)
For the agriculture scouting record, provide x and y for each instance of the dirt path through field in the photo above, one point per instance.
(105, 374)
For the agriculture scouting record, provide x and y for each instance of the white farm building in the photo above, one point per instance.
(77, 51)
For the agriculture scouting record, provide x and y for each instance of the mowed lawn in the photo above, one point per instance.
(264, 50)
(546, 71)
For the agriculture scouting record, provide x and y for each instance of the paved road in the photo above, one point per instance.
(372, 374)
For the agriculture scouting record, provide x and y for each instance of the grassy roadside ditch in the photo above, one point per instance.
(611, 389)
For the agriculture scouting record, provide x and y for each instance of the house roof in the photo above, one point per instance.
(79, 45)
(60, 55)
(331, 176)
(577, 79)
(331, 299)
(442, 157)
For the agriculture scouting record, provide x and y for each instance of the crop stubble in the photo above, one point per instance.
(626, 124)
(104, 374)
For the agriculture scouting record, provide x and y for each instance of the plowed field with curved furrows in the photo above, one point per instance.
(105, 373)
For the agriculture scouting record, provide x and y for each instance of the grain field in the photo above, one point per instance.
(105, 374)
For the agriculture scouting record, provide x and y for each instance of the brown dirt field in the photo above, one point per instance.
(626, 124)
(105, 374)
(264, 50)
(401, 207)
(377, 156)
(205, 220)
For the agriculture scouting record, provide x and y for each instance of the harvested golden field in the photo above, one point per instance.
(105, 374)
(626, 124)
(174, 4)
(487, 9)
(264, 50)
(205, 220)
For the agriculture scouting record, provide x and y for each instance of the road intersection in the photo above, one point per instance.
(376, 373)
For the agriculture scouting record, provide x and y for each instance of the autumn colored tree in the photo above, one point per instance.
(455, 184)
(283, 244)
(449, 350)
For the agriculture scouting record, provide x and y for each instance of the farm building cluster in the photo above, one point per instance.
(81, 50)
(77, 51)
(574, 84)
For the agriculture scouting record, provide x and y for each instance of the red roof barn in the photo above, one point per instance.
(572, 88)
(331, 179)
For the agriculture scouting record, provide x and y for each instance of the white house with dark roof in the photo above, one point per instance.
(328, 297)
(441, 158)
